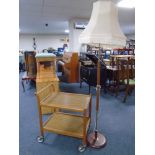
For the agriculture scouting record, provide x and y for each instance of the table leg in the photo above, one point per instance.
(84, 129)
(90, 107)
(40, 118)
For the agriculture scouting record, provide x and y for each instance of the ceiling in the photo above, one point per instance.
(34, 14)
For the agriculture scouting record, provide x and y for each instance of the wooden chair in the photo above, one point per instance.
(121, 73)
(130, 81)
(125, 75)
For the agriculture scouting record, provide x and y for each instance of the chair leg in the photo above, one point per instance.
(80, 84)
(89, 89)
(117, 89)
(23, 86)
(126, 94)
(105, 89)
(130, 91)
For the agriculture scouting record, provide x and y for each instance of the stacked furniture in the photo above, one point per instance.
(46, 74)
(123, 51)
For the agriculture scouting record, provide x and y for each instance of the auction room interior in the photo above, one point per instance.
(76, 77)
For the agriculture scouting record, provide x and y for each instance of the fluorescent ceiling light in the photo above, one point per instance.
(66, 31)
(126, 4)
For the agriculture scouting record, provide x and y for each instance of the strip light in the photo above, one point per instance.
(126, 4)
(66, 31)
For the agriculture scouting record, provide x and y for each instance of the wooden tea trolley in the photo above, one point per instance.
(61, 122)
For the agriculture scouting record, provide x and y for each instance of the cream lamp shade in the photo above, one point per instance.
(103, 27)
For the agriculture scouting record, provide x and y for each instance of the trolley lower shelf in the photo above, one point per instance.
(66, 124)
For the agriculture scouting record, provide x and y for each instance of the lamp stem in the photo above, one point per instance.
(97, 105)
(98, 87)
(96, 139)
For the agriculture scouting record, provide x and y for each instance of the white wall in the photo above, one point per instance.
(43, 41)
(74, 44)
(131, 36)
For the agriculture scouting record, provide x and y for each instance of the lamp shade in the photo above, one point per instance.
(103, 27)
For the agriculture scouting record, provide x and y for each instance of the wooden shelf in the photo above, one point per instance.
(66, 124)
(67, 101)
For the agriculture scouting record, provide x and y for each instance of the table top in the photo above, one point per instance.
(122, 56)
(59, 57)
(68, 101)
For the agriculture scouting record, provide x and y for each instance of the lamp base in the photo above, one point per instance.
(96, 140)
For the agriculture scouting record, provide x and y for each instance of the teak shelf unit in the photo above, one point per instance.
(66, 124)
(62, 122)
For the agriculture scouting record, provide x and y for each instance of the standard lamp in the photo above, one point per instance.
(103, 30)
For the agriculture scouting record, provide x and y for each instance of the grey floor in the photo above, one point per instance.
(117, 123)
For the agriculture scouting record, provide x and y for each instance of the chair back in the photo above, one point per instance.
(126, 68)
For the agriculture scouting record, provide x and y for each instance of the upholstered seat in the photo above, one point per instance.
(131, 81)
(125, 74)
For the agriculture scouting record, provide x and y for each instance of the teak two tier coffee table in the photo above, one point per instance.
(62, 122)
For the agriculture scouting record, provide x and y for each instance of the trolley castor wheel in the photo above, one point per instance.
(82, 148)
(40, 139)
